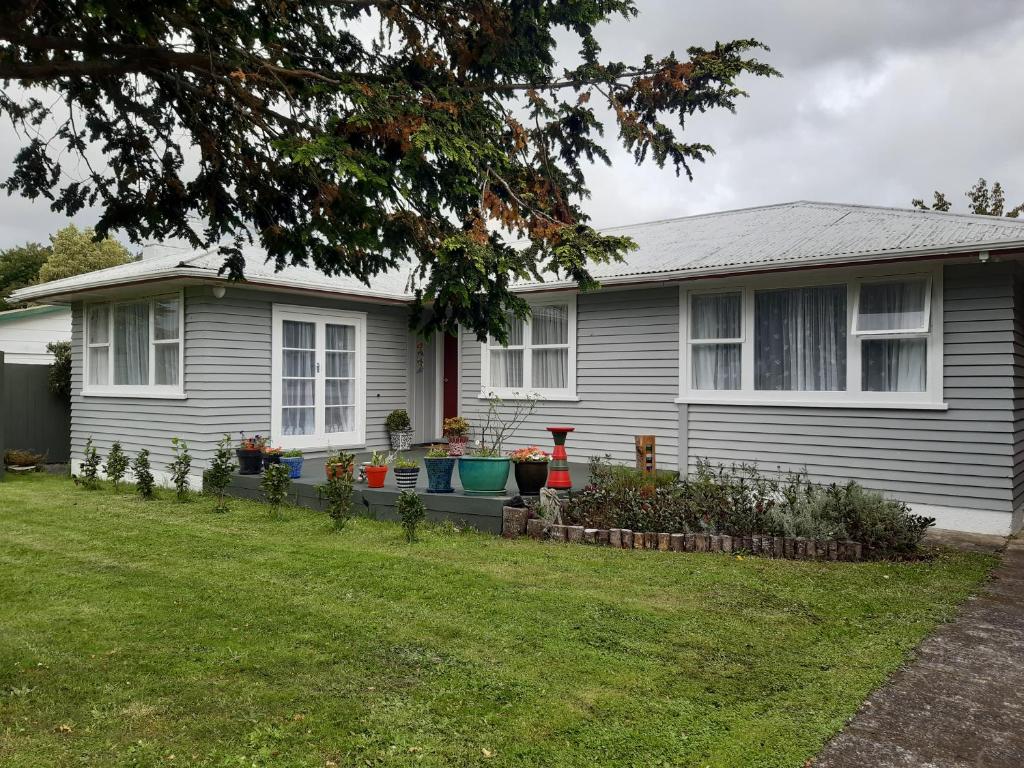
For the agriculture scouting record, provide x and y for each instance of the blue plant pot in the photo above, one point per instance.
(484, 475)
(294, 464)
(439, 474)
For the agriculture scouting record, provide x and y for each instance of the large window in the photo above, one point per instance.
(319, 378)
(849, 340)
(540, 356)
(134, 347)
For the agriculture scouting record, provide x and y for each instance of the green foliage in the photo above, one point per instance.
(398, 421)
(144, 484)
(402, 462)
(90, 466)
(75, 251)
(275, 484)
(217, 478)
(437, 452)
(379, 459)
(411, 511)
(980, 200)
(455, 426)
(116, 465)
(336, 493)
(180, 467)
(19, 268)
(341, 459)
(293, 453)
(740, 500)
(60, 368)
(440, 133)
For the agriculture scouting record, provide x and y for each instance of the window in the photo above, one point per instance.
(319, 378)
(540, 356)
(850, 340)
(134, 347)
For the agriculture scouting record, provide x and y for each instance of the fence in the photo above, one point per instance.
(32, 417)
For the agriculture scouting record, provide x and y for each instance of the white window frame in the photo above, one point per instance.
(319, 439)
(853, 396)
(544, 393)
(692, 342)
(158, 391)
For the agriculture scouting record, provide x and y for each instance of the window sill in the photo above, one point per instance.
(798, 403)
(522, 396)
(134, 393)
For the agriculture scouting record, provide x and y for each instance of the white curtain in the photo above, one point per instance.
(98, 322)
(165, 363)
(298, 380)
(551, 368)
(892, 306)
(800, 339)
(131, 343)
(506, 367)
(894, 365)
(716, 366)
(716, 316)
(550, 325)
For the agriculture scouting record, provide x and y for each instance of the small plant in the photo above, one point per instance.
(412, 511)
(437, 452)
(455, 426)
(379, 459)
(143, 475)
(401, 462)
(180, 467)
(254, 443)
(336, 493)
(90, 466)
(532, 453)
(17, 457)
(217, 478)
(116, 465)
(294, 453)
(398, 421)
(275, 484)
(275, 451)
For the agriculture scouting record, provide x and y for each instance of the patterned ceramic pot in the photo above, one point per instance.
(406, 477)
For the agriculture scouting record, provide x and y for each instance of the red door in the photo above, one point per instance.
(451, 377)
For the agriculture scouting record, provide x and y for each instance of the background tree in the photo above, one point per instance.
(981, 200)
(352, 135)
(19, 267)
(60, 369)
(74, 252)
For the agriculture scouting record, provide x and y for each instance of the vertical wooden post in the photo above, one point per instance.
(646, 460)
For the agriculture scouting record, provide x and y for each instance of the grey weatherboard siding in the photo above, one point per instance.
(227, 378)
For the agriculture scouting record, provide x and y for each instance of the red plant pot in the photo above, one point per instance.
(337, 470)
(375, 476)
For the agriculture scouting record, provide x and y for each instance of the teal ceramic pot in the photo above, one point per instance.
(484, 475)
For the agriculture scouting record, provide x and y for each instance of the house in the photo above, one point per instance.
(866, 343)
(24, 333)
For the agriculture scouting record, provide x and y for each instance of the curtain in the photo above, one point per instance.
(551, 325)
(892, 306)
(165, 363)
(716, 366)
(894, 365)
(715, 316)
(298, 372)
(551, 368)
(506, 369)
(131, 343)
(800, 339)
(165, 319)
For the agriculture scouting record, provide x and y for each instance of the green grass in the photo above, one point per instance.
(132, 631)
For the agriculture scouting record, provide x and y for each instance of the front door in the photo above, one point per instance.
(424, 396)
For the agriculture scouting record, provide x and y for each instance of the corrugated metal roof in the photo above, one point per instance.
(785, 235)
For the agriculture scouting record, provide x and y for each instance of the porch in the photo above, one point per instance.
(480, 512)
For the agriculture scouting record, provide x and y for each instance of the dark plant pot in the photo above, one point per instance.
(531, 476)
(484, 475)
(271, 458)
(439, 474)
(406, 477)
(250, 462)
(294, 464)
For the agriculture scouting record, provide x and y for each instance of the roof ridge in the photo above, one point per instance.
(987, 218)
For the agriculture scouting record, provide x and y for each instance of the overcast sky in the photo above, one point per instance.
(881, 101)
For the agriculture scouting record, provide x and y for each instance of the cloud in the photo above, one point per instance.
(881, 101)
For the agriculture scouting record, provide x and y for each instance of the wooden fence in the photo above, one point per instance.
(32, 417)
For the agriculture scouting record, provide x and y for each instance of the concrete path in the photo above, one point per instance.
(960, 702)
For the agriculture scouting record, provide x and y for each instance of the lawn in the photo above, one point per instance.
(140, 633)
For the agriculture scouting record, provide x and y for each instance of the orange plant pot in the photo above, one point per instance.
(337, 470)
(375, 476)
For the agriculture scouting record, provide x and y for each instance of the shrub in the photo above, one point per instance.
(398, 421)
(337, 494)
(90, 466)
(275, 484)
(143, 476)
(180, 467)
(411, 511)
(116, 465)
(455, 426)
(217, 478)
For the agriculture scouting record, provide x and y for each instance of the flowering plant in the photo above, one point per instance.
(254, 443)
(532, 453)
(455, 426)
(271, 451)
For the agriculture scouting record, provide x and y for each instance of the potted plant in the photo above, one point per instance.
(400, 429)
(293, 460)
(440, 466)
(377, 469)
(531, 469)
(250, 454)
(339, 463)
(484, 472)
(456, 431)
(272, 455)
(407, 472)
